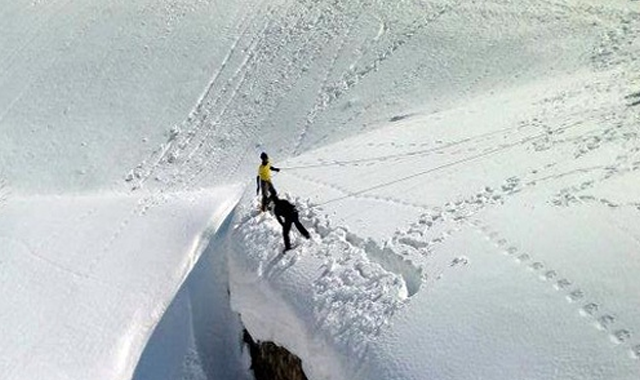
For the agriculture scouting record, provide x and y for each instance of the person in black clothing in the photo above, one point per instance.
(287, 215)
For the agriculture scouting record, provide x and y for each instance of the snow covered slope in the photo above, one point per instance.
(83, 80)
(469, 170)
(185, 94)
(86, 279)
(495, 239)
(302, 74)
(492, 241)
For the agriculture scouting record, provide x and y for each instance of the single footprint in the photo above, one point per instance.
(575, 295)
(549, 275)
(523, 257)
(589, 309)
(620, 336)
(608, 203)
(511, 250)
(605, 321)
(585, 185)
(536, 266)
(459, 261)
(562, 284)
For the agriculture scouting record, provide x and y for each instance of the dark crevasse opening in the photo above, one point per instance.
(200, 338)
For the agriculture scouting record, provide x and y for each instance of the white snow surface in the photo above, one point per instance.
(85, 279)
(468, 170)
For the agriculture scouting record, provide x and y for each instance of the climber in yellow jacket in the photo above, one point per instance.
(263, 180)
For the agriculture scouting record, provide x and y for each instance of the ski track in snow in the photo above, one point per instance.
(322, 98)
(5, 192)
(363, 283)
(356, 75)
(419, 153)
(285, 75)
(198, 126)
(179, 162)
(496, 148)
(329, 93)
(182, 141)
(358, 195)
(197, 121)
(189, 154)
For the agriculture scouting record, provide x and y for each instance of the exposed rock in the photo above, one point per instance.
(272, 362)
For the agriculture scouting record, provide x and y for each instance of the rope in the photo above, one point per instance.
(397, 155)
(432, 170)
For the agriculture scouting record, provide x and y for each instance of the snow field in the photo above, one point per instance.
(298, 75)
(84, 80)
(89, 277)
(494, 217)
(468, 171)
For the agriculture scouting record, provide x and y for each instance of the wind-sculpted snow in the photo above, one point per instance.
(468, 171)
(85, 279)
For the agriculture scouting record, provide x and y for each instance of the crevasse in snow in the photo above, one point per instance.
(468, 171)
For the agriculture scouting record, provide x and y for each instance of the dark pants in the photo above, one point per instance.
(286, 227)
(267, 191)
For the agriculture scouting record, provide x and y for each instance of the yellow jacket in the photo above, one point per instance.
(264, 172)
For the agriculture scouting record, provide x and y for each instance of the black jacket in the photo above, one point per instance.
(284, 209)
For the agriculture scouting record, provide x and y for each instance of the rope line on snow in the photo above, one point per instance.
(401, 155)
(432, 170)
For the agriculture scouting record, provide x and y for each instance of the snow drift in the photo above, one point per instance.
(469, 172)
(87, 278)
